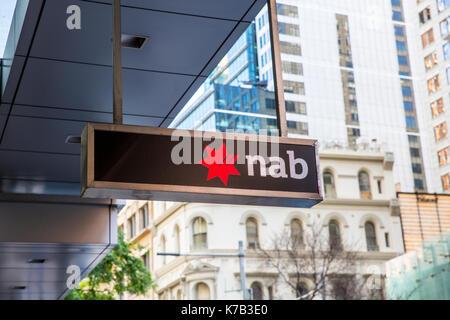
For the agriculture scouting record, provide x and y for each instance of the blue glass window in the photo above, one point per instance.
(447, 50)
(255, 107)
(397, 15)
(418, 184)
(291, 124)
(401, 45)
(245, 98)
(399, 31)
(402, 60)
(406, 91)
(443, 4)
(417, 168)
(408, 106)
(448, 75)
(445, 27)
(415, 153)
(410, 122)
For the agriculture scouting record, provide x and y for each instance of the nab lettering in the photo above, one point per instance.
(277, 167)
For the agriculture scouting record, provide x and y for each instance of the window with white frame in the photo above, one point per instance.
(199, 233)
(251, 227)
(371, 237)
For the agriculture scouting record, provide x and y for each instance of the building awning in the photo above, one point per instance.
(56, 80)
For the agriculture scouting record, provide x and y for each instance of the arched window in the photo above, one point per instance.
(163, 248)
(251, 227)
(199, 233)
(257, 291)
(301, 289)
(177, 239)
(371, 237)
(296, 233)
(335, 235)
(143, 216)
(364, 185)
(328, 183)
(202, 291)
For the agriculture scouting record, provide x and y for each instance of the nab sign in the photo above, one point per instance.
(145, 163)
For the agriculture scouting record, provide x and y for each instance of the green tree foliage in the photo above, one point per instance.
(119, 272)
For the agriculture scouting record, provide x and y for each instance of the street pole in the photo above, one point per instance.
(117, 63)
(242, 270)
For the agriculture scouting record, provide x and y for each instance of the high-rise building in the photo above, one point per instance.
(430, 35)
(357, 215)
(348, 75)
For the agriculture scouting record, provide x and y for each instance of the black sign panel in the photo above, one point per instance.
(133, 162)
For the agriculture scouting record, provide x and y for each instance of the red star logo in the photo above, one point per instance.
(220, 164)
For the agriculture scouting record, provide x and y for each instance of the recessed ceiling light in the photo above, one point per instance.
(136, 42)
(73, 140)
(36, 261)
(19, 287)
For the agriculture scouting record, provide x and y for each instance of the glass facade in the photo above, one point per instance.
(243, 108)
(239, 95)
(234, 96)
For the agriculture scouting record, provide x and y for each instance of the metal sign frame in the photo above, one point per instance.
(91, 188)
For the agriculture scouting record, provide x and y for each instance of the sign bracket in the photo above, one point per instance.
(277, 68)
(117, 63)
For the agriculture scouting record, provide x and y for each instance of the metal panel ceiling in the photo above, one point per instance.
(58, 230)
(60, 79)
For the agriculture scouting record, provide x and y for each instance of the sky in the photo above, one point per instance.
(6, 12)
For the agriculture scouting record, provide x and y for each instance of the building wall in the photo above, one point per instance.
(177, 277)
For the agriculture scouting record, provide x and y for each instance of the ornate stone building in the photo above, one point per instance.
(359, 210)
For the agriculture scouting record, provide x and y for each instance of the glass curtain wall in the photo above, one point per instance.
(235, 96)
